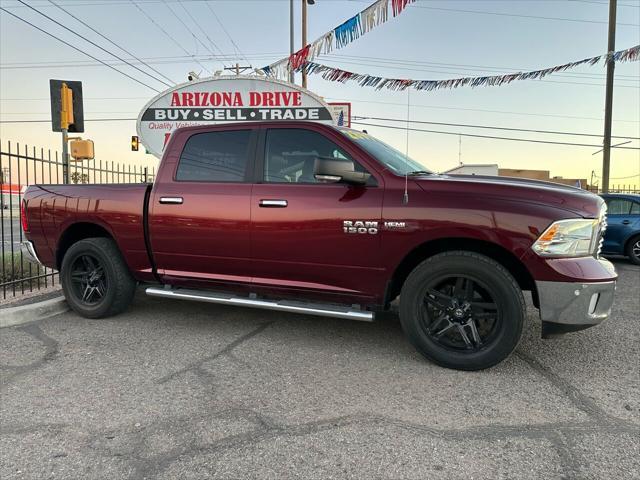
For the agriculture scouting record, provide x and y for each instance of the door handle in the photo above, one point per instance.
(626, 222)
(172, 200)
(273, 203)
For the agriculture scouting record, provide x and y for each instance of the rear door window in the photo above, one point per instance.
(618, 206)
(215, 157)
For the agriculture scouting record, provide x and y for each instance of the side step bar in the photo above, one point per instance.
(334, 311)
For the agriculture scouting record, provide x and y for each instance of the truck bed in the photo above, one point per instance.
(120, 209)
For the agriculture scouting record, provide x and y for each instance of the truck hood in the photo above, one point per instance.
(572, 199)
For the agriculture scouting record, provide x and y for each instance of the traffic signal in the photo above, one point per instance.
(135, 143)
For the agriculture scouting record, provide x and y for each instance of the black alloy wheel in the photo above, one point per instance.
(460, 313)
(462, 310)
(95, 278)
(88, 279)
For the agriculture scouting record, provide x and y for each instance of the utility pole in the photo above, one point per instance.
(238, 69)
(304, 36)
(608, 102)
(292, 76)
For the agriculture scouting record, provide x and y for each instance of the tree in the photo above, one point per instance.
(77, 177)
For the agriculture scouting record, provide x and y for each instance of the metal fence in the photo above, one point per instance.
(21, 165)
(615, 189)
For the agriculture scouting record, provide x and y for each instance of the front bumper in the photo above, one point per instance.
(29, 252)
(571, 306)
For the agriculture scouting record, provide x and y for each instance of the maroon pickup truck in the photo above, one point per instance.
(309, 218)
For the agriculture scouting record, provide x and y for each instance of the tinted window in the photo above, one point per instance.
(215, 157)
(290, 155)
(618, 206)
(635, 208)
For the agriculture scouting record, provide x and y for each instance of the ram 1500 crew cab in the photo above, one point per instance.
(309, 218)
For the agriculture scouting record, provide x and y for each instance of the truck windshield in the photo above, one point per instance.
(395, 160)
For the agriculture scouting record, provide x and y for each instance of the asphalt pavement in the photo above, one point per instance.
(184, 390)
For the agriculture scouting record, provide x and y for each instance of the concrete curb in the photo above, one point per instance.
(12, 316)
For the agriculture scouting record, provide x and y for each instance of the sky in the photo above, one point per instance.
(433, 39)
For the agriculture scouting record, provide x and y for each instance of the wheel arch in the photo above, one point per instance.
(628, 242)
(76, 232)
(631, 237)
(433, 247)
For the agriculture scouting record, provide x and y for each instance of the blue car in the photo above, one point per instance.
(622, 236)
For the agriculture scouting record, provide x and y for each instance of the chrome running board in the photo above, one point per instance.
(334, 311)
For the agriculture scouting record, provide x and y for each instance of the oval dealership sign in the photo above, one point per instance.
(226, 99)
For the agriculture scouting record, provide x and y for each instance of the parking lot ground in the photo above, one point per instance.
(185, 390)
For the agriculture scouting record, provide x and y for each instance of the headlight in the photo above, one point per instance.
(569, 238)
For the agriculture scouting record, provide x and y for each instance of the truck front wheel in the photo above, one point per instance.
(95, 279)
(462, 310)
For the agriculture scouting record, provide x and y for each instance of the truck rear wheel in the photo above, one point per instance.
(462, 310)
(95, 279)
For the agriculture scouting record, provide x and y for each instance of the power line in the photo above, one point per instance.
(492, 127)
(77, 49)
(462, 66)
(90, 41)
(86, 119)
(81, 64)
(213, 44)
(126, 2)
(168, 36)
(195, 37)
(564, 19)
(618, 178)
(88, 3)
(227, 33)
(116, 45)
(515, 139)
(605, 3)
(438, 107)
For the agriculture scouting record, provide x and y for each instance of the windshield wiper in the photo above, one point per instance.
(419, 172)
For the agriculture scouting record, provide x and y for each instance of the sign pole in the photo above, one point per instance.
(65, 156)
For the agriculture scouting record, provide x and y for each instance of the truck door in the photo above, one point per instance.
(307, 234)
(199, 213)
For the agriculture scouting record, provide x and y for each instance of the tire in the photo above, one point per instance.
(633, 250)
(95, 280)
(462, 310)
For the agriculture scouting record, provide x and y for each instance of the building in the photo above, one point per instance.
(474, 169)
(494, 170)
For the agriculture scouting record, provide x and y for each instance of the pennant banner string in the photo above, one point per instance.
(365, 80)
(345, 33)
